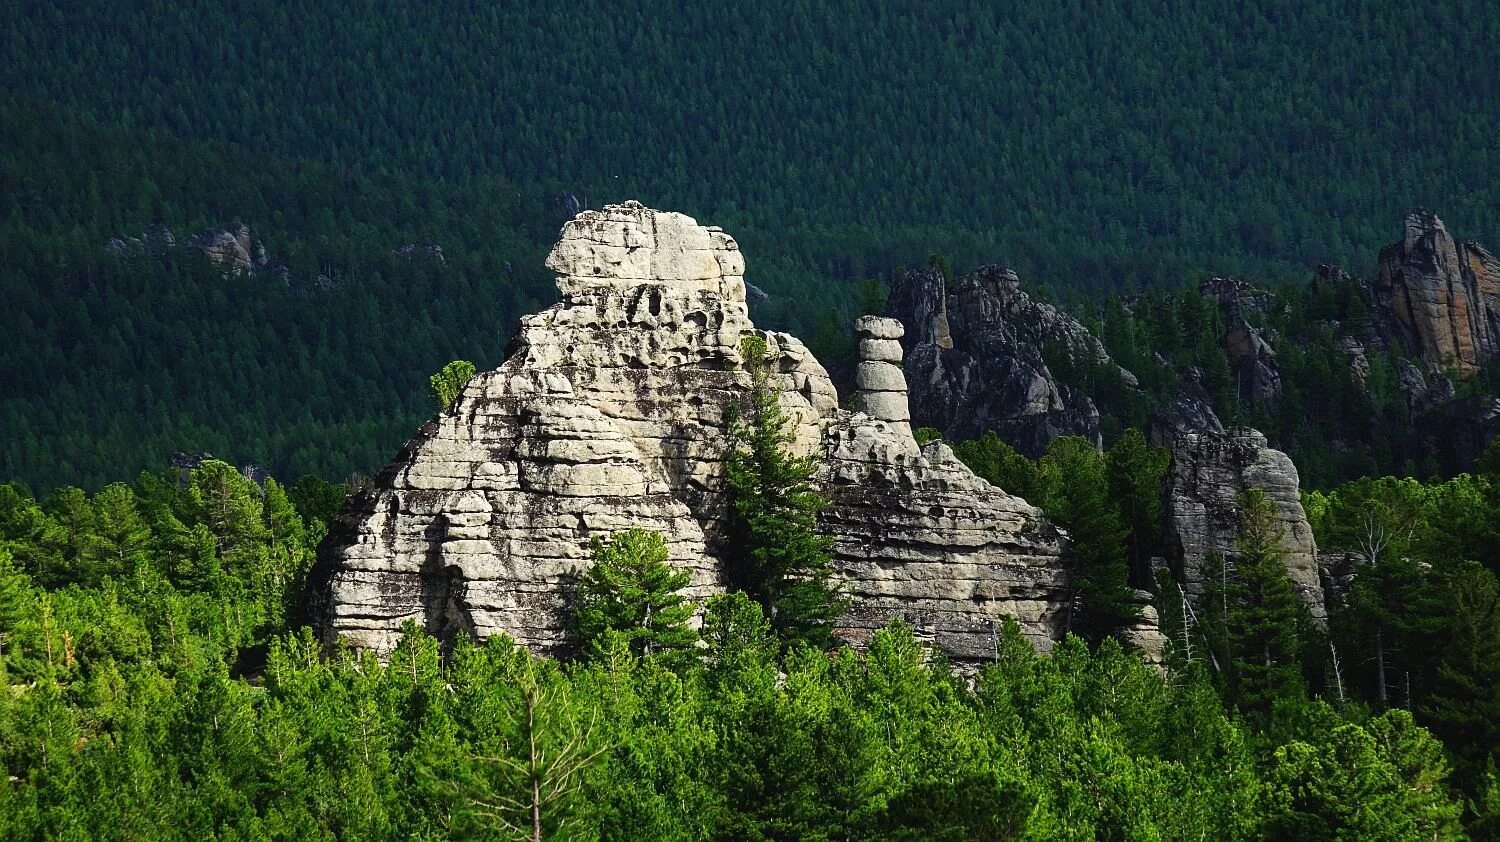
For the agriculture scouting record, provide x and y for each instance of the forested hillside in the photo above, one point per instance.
(155, 684)
(1090, 146)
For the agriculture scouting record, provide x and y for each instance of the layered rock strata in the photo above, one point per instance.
(610, 413)
(975, 359)
(1209, 472)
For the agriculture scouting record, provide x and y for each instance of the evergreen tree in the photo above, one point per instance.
(1077, 497)
(1136, 470)
(1266, 626)
(451, 380)
(777, 555)
(632, 590)
(999, 464)
(1464, 708)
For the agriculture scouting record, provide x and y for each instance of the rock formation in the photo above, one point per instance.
(1439, 297)
(1208, 473)
(609, 413)
(975, 359)
(235, 250)
(1254, 363)
(1190, 411)
(1238, 298)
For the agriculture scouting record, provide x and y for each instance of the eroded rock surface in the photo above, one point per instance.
(609, 413)
(1440, 297)
(1209, 471)
(975, 359)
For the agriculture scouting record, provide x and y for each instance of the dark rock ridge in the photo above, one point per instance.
(1190, 411)
(976, 359)
(609, 413)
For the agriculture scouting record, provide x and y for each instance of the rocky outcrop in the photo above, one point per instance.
(1254, 363)
(1354, 354)
(1190, 411)
(1439, 297)
(1208, 474)
(976, 359)
(236, 250)
(610, 413)
(919, 536)
(425, 250)
(1237, 298)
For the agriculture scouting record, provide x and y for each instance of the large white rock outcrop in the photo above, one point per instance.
(609, 413)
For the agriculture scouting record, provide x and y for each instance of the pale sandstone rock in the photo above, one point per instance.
(1208, 473)
(610, 413)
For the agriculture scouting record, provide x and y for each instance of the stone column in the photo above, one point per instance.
(880, 383)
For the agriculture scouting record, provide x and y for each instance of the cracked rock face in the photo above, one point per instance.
(974, 359)
(609, 414)
(1208, 473)
(1439, 297)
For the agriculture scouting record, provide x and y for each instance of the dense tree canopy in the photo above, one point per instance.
(1088, 145)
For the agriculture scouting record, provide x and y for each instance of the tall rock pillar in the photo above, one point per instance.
(880, 382)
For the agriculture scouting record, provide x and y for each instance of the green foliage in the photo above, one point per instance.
(1076, 494)
(1136, 471)
(1464, 706)
(1259, 626)
(1381, 781)
(999, 464)
(451, 380)
(776, 553)
(136, 705)
(632, 591)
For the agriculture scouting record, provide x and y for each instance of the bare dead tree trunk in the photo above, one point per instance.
(1338, 673)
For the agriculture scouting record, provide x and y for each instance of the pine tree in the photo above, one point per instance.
(1077, 496)
(120, 534)
(632, 590)
(1464, 708)
(1266, 623)
(1135, 471)
(777, 555)
(448, 382)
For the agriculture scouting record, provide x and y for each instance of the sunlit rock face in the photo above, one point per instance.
(610, 413)
(1439, 297)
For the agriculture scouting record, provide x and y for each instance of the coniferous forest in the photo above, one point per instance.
(238, 244)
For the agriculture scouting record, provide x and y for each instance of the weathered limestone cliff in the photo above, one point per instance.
(1439, 297)
(1208, 473)
(609, 413)
(975, 359)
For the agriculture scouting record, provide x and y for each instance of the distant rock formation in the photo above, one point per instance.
(429, 250)
(236, 250)
(1439, 297)
(1190, 411)
(609, 413)
(1254, 364)
(1208, 473)
(975, 359)
(1238, 298)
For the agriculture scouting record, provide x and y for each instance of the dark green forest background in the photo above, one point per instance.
(1090, 145)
